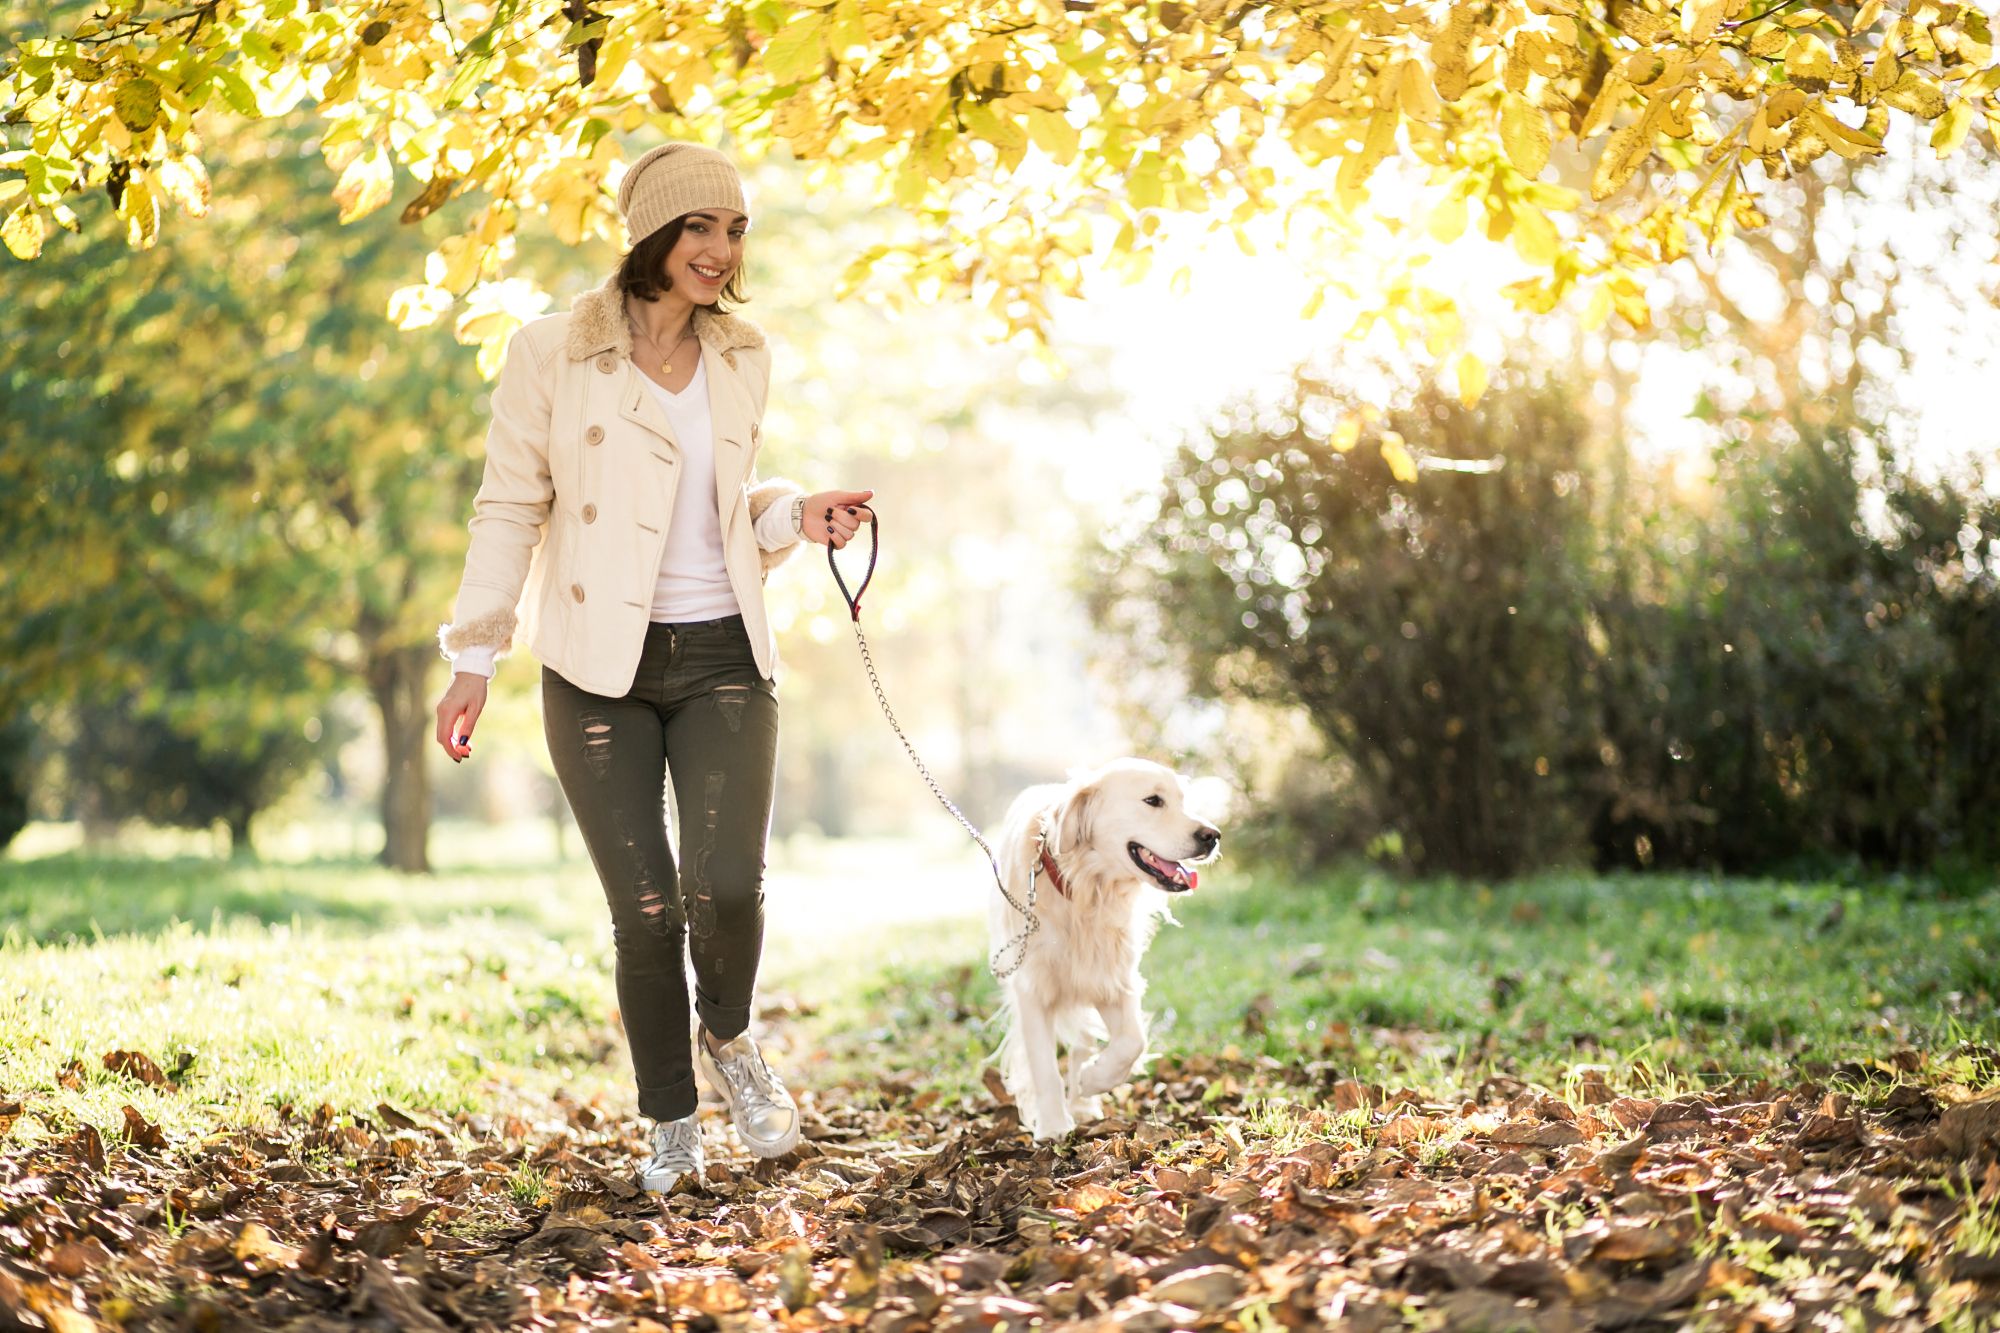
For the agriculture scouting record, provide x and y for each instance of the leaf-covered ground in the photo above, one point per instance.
(1229, 1196)
(1563, 1104)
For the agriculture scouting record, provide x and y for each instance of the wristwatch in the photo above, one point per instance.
(799, 514)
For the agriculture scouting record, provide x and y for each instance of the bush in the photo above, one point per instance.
(1786, 682)
(1786, 669)
(1430, 628)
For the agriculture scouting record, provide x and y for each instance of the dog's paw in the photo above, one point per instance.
(1086, 1109)
(1105, 1072)
(1053, 1125)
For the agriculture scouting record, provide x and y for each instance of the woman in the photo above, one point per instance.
(620, 490)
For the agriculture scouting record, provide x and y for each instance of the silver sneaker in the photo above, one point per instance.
(764, 1114)
(676, 1154)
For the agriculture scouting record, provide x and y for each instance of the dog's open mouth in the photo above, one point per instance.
(1169, 875)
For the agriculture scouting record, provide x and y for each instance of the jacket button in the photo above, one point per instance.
(590, 513)
(753, 432)
(595, 435)
(576, 591)
(607, 363)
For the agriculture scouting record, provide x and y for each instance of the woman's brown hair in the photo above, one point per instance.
(642, 274)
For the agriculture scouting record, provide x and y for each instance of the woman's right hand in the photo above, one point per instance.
(458, 711)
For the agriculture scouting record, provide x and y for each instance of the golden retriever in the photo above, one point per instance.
(1112, 838)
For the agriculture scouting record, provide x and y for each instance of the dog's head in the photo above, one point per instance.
(1132, 814)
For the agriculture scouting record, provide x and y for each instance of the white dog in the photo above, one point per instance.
(1100, 843)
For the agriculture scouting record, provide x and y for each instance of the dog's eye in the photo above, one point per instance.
(1156, 801)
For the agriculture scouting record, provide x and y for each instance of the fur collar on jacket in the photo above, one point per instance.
(597, 323)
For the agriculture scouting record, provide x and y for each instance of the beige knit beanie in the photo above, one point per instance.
(672, 181)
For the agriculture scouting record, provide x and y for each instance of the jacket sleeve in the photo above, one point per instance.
(510, 511)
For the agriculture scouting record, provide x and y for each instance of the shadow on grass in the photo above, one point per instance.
(82, 896)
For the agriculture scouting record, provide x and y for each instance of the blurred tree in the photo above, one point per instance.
(17, 765)
(185, 757)
(1006, 129)
(221, 445)
(1431, 629)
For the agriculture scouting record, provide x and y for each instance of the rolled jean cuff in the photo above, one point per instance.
(672, 1101)
(726, 1021)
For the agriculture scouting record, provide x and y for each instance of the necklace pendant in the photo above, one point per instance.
(666, 367)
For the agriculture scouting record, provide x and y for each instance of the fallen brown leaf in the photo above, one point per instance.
(135, 1065)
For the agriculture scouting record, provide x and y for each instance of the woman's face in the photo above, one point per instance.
(707, 255)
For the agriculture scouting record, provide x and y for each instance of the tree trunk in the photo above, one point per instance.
(398, 678)
(240, 846)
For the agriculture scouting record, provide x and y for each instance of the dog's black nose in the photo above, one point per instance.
(1206, 839)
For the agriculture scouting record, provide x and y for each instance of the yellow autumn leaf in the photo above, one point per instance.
(365, 185)
(139, 206)
(1447, 220)
(1917, 95)
(23, 231)
(1524, 132)
(455, 264)
(1397, 455)
(1699, 17)
(1770, 42)
(1534, 236)
(1622, 155)
(1345, 435)
(796, 49)
(1629, 299)
(1842, 138)
(185, 181)
(1950, 130)
(1884, 73)
(1053, 134)
(418, 306)
(1471, 378)
(1415, 95)
(137, 103)
(1449, 52)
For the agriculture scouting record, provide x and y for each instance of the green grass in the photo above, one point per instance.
(1671, 983)
(487, 988)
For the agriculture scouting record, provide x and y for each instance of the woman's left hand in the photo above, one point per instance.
(833, 517)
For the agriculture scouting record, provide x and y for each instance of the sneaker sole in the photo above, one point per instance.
(651, 1182)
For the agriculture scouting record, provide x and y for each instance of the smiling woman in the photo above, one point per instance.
(621, 493)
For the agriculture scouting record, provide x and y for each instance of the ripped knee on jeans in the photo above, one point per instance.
(729, 701)
(596, 728)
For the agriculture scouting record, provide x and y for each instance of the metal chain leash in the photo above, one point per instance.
(1018, 945)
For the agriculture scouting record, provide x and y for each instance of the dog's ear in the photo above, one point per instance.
(1070, 825)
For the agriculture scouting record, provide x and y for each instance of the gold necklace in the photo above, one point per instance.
(666, 358)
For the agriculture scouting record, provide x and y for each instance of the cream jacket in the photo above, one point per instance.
(581, 472)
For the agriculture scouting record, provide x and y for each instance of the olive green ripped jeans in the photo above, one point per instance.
(698, 714)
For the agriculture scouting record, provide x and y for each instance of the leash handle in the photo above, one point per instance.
(853, 599)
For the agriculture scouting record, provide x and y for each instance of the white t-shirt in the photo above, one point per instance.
(693, 583)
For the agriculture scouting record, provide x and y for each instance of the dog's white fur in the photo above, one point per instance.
(1079, 975)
